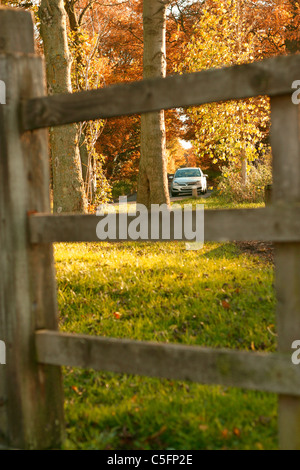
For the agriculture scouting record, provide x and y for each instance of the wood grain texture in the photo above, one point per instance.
(16, 31)
(31, 395)
(254, 371)
(268, 224)
(3, 264)
(285, 140)
(269, 77)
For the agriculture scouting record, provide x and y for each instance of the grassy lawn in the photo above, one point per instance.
(215, 297)
(218, 202)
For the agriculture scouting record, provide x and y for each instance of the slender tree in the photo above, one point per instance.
(68, 188)
(234, 131)
(153, 184)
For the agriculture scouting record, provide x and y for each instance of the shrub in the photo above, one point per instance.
(258, 176)
(123, 188)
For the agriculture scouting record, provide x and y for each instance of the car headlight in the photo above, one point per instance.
(175, 184)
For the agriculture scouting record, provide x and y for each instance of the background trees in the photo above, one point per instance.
(232, 131)
(106, 46)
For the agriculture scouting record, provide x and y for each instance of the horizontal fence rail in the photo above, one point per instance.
(269, 372)
(274, 223)
(269, 77)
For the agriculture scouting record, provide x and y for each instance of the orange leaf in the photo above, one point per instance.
(224, 433)
(236, 432)
(225, 304)
(117, 315)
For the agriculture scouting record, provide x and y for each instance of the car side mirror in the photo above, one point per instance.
(206, 176)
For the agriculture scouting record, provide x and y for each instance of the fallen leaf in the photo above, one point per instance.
(117, 315)
(224, 433)
(225, 304)
(236, 432)
(203, 427)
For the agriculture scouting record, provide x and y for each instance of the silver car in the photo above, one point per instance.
(185, 179)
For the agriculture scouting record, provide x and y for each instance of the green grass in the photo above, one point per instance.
(215, 297)
(216, 201)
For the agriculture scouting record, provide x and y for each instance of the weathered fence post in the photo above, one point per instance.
(285, 140)
(31, 406)
(268, 194)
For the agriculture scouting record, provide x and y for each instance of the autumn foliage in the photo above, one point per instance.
(106, 39)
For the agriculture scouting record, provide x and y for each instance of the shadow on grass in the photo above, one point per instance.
(228, 251)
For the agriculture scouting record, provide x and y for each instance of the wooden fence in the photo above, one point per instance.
(31, 398)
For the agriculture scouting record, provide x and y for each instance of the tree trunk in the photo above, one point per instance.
(244, 171)
(88, 167)
(68, 188)
(244, 162)
(153, 184)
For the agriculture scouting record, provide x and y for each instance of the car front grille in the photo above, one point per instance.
(187, 190)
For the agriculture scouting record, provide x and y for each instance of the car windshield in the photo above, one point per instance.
(187, 173)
